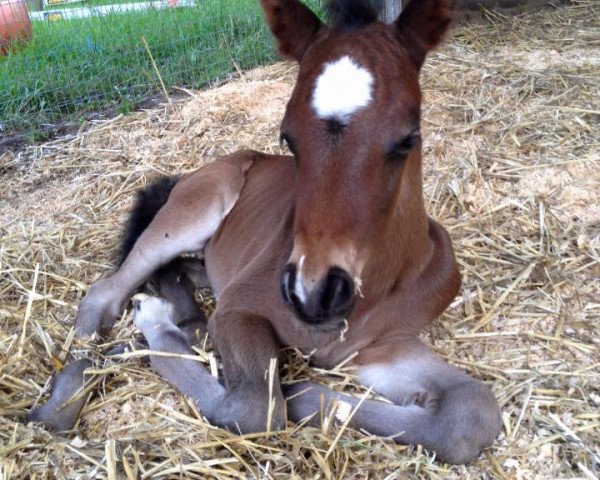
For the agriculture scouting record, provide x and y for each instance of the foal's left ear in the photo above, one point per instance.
(293, 24)
(422, 26)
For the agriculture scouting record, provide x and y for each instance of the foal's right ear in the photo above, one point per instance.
(293, 24)
(423, 24)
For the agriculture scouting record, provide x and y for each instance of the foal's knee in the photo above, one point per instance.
(469, 421)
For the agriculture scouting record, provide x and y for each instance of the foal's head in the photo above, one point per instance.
(352, 124)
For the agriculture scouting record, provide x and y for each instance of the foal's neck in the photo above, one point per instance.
(403, 249)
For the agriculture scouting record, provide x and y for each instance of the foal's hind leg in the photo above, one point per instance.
(434, 404)
(61, 411)
(195, 209)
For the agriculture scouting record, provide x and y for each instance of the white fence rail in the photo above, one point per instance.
(100, 11)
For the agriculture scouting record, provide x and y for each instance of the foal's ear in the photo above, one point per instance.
(423, 24)
(293, 24)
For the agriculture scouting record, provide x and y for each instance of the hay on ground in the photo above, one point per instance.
(510, 121)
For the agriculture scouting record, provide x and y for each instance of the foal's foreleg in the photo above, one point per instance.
(248, 350)
(195, 209)
(154, 317)
(245, 403)
(434, 404)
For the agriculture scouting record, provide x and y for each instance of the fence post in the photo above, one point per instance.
(35, 5)
(391, 10)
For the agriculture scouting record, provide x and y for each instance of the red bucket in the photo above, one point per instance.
(15, 24)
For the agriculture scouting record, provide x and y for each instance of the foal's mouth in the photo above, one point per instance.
(326, 305)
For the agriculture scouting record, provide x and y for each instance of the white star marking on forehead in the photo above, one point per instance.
(342, 88)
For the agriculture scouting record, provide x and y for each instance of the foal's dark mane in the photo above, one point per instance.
(347, 15)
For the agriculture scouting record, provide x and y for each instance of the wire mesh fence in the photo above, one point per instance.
(61, 63)
(64, 61)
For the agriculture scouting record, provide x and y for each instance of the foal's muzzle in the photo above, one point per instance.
(331, 299)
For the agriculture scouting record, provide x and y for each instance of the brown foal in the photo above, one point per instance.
(336, 237)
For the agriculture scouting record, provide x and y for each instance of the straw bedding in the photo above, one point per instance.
(510, 120)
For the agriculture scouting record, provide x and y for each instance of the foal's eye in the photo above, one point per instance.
(401, 149)
(284, 138)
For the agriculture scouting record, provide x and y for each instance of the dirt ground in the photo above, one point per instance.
(511, 122)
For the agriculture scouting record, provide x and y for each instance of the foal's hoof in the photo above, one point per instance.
(153, 316)
(97, 311)
(61, 411)
(90, 320)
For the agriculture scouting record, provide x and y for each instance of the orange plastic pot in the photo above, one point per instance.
(15, 25)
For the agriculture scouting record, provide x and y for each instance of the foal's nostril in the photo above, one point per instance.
(337, 295)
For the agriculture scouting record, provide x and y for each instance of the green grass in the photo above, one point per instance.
(74, 67)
